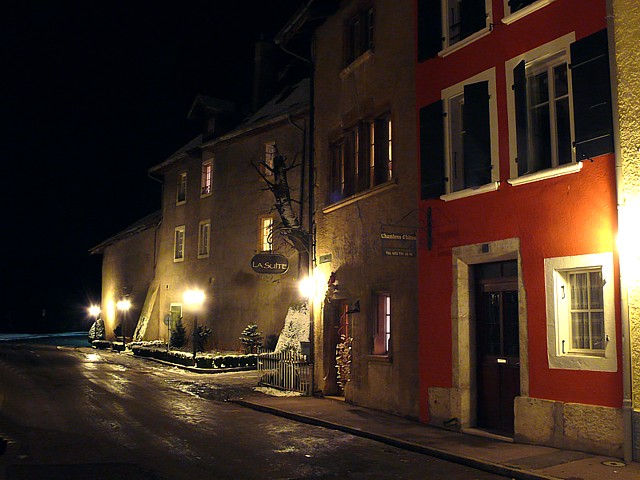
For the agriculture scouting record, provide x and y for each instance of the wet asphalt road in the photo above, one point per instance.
(77, 413)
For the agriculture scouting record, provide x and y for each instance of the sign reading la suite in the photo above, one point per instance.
(270, 263)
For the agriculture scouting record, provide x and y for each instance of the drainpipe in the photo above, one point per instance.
(627, 401)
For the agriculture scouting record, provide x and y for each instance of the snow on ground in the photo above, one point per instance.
(274, 392)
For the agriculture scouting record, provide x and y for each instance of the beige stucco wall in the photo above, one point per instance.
(128, 263)
(627, 36)
(379, 82)
(235, 296)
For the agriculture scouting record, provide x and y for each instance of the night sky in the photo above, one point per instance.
(92, 95)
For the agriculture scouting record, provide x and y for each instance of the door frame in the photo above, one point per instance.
(463, 324)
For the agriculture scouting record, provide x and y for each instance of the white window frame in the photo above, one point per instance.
(265, 232)
(204, 238)
(547, 50)
(523, 12)
(448, 47)
(558, 318)
(179, 238)
(382, 326)
(206, 185)
(181, 186)
(450, 93)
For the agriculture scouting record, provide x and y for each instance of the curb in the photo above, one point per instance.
(484, 465)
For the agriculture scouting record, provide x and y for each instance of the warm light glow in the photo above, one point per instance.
(628, 240)
(313, 288)
(306, 287)
(94, 310)
(193, 298)
(123, 305)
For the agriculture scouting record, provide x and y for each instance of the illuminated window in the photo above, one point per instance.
(269, 156)
(207, 173)
(204, 235)
(266, 233)
(181, 191)
(178, 245)
(382, 326)
(580, 305)
(362, 158)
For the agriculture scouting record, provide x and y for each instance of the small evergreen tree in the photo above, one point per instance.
(251, 338)
(178, 334)
(203, 335)
(96, 332)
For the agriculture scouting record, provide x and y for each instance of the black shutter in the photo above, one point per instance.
(477, 135)
(591, 96)
(432, 151)
(473, 17)
(429, 29)
(522, 117)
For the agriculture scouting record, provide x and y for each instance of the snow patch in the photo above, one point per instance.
(296, 328)
(274, 392)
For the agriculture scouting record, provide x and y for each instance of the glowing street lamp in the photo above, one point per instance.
(194, 299)
(94, 311)
(123, 305)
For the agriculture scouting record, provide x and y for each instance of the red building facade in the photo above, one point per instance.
(519, 288)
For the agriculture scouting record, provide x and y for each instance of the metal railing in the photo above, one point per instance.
(285, 370)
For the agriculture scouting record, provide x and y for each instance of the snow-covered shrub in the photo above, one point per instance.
(251, 338)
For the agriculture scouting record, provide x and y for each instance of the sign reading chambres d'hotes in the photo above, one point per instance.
(398, 243)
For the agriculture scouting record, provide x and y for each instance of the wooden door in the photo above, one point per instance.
(497, 346)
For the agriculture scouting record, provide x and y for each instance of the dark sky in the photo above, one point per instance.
(92, 94)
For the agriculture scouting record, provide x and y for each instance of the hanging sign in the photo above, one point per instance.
(398, 241)
(270, 263)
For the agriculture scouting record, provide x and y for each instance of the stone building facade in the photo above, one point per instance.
(366, 191)
(218, 213)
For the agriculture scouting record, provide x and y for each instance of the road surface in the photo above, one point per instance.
(77, 413)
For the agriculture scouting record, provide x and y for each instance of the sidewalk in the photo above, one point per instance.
(513, 460)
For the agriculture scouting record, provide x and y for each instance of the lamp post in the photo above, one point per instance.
(123, 305)
(194, 300)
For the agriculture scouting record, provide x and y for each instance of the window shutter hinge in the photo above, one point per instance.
(569, 66)
(491, 25)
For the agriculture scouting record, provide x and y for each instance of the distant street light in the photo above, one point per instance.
(94, 311)
(194, 300)
(123, 305)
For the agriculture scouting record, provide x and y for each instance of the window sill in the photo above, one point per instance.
(545, 174)
(204, 256)
(181, 203)
(509, 19)
(360, 196)
(469, 192)
(382, 358)
(205, 195)
(464, 42)
(348, 70)
(177, 260)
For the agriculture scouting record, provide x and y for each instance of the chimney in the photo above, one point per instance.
(264, 74)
